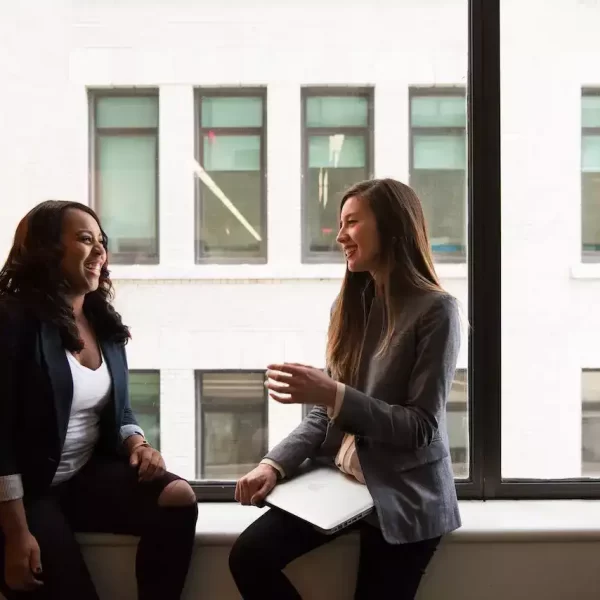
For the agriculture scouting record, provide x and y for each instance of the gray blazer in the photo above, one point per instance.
(398, 414)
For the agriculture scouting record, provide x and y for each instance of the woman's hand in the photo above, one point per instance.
(22, 562)
(254, 487)
(291, 383)
(149, 461)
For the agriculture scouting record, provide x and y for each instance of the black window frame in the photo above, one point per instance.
(588, 256)
(484, 376)
(210, 486)
(94, 94)
(367, 92)
(199, 131)
(417, 91)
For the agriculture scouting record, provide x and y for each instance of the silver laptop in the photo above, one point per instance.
(324, 497)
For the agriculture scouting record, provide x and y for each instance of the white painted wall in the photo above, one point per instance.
(186, 317)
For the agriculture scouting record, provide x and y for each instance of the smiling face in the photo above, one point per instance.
(83, 251)
(358, 235)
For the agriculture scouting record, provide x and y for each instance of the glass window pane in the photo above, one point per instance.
(439, 170)
(590, 424)
(590, 111)
(335, 162)
(458, 424)
(590, 154)
(590, 180)
(440, 152)
(338, 151)
(126, 181)
(234, 430)
(337, 111)
(324, 191)
(590, 209)
(438, 111)
(550, 318)
(231, 217)
(232, 112)
(127, 112)
(233, 388)
(443, 195)
(232, 153)
(144, 395)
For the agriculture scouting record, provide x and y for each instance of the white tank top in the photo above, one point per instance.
(91, 393)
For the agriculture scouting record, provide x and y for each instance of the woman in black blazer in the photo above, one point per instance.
(72, 456)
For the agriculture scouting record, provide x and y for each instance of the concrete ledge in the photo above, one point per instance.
(522, 550)
(219, 523)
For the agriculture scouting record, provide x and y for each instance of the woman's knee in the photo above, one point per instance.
(245, 552)
(241, 556)
(177, 494)
(252, 553)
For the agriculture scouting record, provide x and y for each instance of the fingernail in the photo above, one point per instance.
(38, 570)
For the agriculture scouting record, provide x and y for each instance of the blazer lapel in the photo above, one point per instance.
(114, 362)
(59, 373)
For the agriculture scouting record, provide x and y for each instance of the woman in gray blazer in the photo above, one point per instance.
(392, 348)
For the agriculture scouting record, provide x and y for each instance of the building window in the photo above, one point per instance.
(231, 171)
(144, 395)
(124, 182)
(438, 166)
(458, 424)
(337, 131)
(590, 423)
(590, 174)
(233, 434)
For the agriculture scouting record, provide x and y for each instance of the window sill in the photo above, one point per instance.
(589, 270)
(254, 272)
(220, 523)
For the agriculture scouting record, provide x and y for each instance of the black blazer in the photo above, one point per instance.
(36, 392)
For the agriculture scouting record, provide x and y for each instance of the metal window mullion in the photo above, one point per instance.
(484, 251)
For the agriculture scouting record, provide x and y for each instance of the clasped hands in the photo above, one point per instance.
(147, 460)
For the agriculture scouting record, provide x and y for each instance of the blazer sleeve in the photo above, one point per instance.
(302, 443)
(11, 335)
(129, 425)
(413, 422)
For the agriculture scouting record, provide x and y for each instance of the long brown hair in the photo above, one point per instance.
(406, 266)
(32, 274)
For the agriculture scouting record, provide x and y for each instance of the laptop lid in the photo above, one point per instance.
(324, 497)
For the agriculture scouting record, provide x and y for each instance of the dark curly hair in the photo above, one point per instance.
(32, 275)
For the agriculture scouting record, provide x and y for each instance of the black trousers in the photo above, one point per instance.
(275, 539)
(106, 497)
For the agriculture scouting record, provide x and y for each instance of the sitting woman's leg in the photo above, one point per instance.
(262, 551)
(64, 572)
(166, 547)
(389, 571)
(177, 494)
(106, 496)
